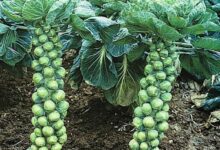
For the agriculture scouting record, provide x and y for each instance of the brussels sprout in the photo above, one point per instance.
(59, 44)
(148, 69)
(42, 121)
(36, 66)
(166, 107)
(143, 97)
(144, 146)
(63, 106)
(49, 105)
(158, 65)
(48, 46)
(34, 121)
(150, 79)
(61, 72)
(38, 51)
(60, 83)
(63, 138)
(46, 28)
(40, 141)
(152, 91)
(43, 148)
(36, 99)
(155, 143)
(33, 147)
(146, 109)
(138, 112)
(154, 56)
(54, 116)
(142, 136)
(57, 62)
(55, 39)
(43, 38)
(61, 131)
(48, 131)
(162, 116)
(143, 83)
(164, 126)
(166, 97)
(42, 92)
(153, 47)
(157, 103)
(52, 140)
(161, 136)
(35, 41)
(165, 86)
(161, 75)
(33, 137)
(134, 145)
(171, 78)
(164, 53)
(160, 45)
(52, 33)
(152, 134)
(148, 122)
(135, 135)
(137, 122)
(172, 49)
(52, 85)
(58, 125)
(174, 56)
(48, 72)
(44, 61)
(167, 62)
(38, 78)
(37, 110)
(38, 31)
(58, 96)
(37, 132)
(57, 146)
(52, 54)
(170, 70)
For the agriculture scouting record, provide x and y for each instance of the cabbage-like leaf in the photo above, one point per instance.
(3, 28)
(207, 43)
(84, 9)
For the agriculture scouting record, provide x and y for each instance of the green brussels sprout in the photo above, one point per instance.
(135, 135)
(61, 131)
(58, 125)
(43, 38)
(35, 41)
(55, 39)
(48, 46)
(61, 72)
(150, 79)
(165, 86)
(164, 126)
(38, 31)
(54, 116)
(36, 65)
(44, 61)
(154, 56)
(36, 99)
(158, 65)
(39, 52)
(60, 83)
(63, 106)
(144, 146)
(43, 148)
(160, 45)
(57, 63)
(59, 44)
(152, 134)
(58, 96)
(52, 54)
(143, 97)
(48, 131)
(167, 62)
(166, 97)
(37, 132)
(174, 56)
(138, 112)
(63, 138)
(40, 141)
(52, 33)
(170, 70)
(157, 103)
(172, 49)
(148, 122)
(48, 72)
(143, 83)
(52, 140)
(52, 85)
(161, 136)
(153, 47)
(134, 145)
(141, 136)
(56, 146)
(42, 121)
(137, 122)
(37, 110)
(42, 92)
(161, 75)
(162, 116)
(34, 147)
(148, 69)
(166, 107)
(155, 143)
(146, 109)
(171, 78)
(33, 137)
(46, 28)
(38, 78)
(49, 105)
(34, 121)
(164, 53)
(152, 91)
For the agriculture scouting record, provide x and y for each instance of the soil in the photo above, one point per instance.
(93, 124)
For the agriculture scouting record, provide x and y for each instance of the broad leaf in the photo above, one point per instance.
(84, 9)
(207, 43)
(3, 28)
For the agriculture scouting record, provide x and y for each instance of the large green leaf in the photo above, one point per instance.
(36, 9)
(207, 43)
(3, 28)
(98, 68)
(84, 9)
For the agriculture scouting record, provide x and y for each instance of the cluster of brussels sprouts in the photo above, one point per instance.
(152, 115)
(50, 106)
